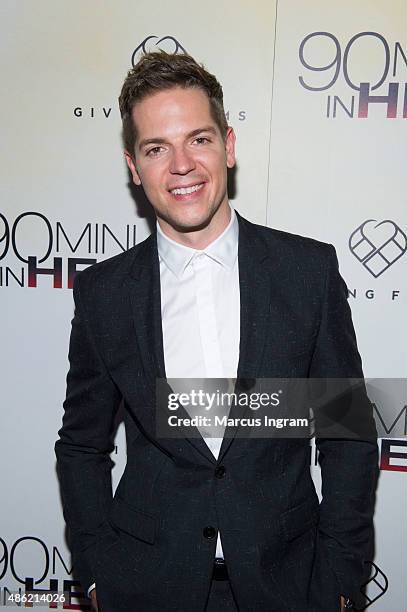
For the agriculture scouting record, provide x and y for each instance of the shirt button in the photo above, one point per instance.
(209, 533)
(220, 471)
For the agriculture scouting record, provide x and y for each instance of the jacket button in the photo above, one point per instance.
(220, 471)
(209, 533)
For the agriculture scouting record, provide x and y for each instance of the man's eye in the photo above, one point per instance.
(154, 151)
(202, 140)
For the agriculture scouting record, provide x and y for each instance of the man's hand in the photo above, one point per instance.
(94, 600)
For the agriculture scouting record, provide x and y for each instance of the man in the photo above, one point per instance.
(206, 524)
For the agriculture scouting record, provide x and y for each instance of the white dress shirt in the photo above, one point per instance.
(200, 308)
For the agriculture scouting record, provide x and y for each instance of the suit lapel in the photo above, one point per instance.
(254, 284)
(145, 297)
(255, 294)
(146, 308)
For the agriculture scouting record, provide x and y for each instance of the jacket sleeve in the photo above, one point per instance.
(85, 443)
(349, 467)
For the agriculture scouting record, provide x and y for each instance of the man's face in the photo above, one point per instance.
(181, 159)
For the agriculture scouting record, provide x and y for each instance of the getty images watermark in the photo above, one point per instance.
(284, 408)
(213, 409)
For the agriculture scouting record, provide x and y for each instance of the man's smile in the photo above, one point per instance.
(187, 193)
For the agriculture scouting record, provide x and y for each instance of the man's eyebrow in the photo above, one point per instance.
(148, 141)
(207, 128)
(158, 140)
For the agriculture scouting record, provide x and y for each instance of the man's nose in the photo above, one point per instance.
(182, 161)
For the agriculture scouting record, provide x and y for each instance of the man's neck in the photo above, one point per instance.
(201, 238)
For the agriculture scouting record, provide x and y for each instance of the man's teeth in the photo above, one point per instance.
(186, 190)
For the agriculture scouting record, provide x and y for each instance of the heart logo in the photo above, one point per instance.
(153, 43)
(378, 245)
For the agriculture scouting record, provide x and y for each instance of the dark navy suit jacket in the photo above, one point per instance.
(147, 548)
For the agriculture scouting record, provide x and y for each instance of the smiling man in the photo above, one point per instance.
(180, 157)
(206, 524)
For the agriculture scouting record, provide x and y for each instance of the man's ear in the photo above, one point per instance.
(230, 147)
(132, 167)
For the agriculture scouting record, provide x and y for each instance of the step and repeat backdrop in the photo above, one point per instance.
(317, 95)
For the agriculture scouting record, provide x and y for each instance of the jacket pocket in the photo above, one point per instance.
(133, 521)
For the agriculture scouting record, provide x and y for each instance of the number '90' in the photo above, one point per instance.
(336, 61)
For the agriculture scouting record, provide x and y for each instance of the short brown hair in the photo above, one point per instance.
(158, 71)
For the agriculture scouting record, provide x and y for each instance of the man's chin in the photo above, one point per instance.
(193, 224)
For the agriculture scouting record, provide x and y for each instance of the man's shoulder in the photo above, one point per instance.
(286, 244)
(116, 267)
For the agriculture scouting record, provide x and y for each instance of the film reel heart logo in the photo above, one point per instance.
(378, 245)
(378, 584)
(154, 43)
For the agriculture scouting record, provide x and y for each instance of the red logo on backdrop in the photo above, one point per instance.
(35, 249)
(393, 455)
(342, 62)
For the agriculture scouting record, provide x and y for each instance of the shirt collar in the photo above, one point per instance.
(223, 250)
